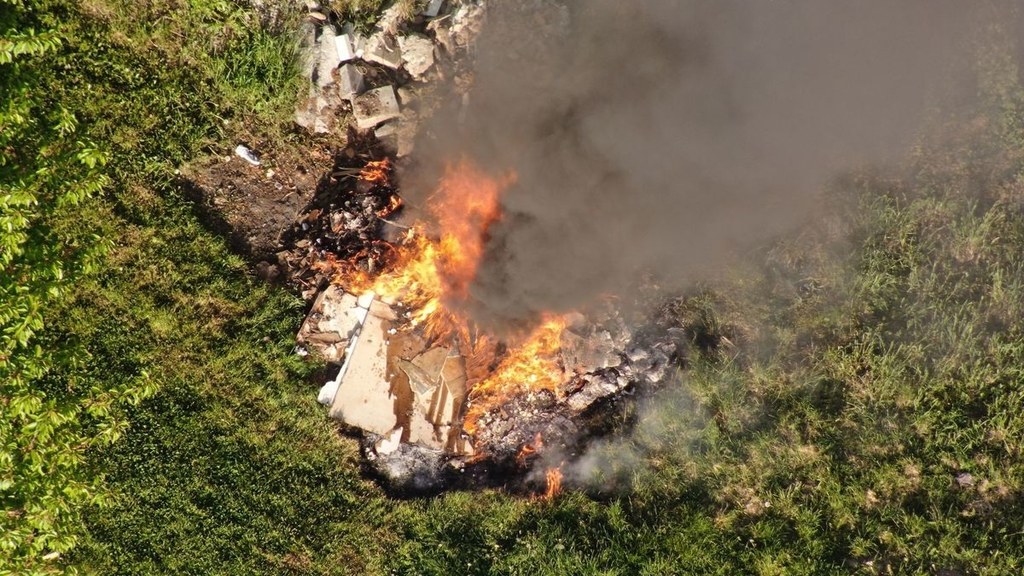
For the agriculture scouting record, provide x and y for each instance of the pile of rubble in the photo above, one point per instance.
(377, 77)
(409, 396)
(348, 222)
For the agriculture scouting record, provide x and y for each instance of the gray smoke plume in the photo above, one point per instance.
(666, 135)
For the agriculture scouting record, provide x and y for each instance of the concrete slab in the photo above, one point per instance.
(350, 81)
(375, 107)
(377, 48)
(433, 9)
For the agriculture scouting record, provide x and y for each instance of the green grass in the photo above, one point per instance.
(860, 365)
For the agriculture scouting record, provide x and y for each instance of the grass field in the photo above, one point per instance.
(861, 411)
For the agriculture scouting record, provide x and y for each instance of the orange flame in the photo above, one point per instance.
(554, 483)
(376, 172)
(465, 207)
(529, 450)
(428, 273)
(529, 367)
(394, 203)
(431, 276)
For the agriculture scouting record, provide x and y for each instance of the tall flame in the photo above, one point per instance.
(530, 366)
(554, 483)
(431, 276)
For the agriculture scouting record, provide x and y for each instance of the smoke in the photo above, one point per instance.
(667, 135)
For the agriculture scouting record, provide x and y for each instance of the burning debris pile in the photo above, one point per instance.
(440, 402)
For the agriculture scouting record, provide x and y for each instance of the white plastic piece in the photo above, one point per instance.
(243, 152)
(346, 51)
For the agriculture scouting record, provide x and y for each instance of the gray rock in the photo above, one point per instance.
(417, 54)
(306, 114)
(433, 9)
(391, 19)
(586, 354)
(595, 387)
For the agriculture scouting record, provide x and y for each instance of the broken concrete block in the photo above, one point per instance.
(417, 54)
(305, 113)
(387, 134)
(391, 19)
(433, 9)
(324, 121)
(378, 49)
(374, 107)
(595, 387)
(346, 50)
(466, 24)
(328, 57)
(399, 137)
(356, 40)
(350, 81)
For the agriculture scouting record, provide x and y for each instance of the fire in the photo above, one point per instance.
(430, 274)
(394, 203)
(376, 172)
(529, 367)
(554, 483)
(465, 206)
(530, 449)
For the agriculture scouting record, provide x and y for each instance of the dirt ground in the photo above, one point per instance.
(253, 205)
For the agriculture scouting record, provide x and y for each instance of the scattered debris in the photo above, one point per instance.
(408, 393)
(243, 152)
(342, 63)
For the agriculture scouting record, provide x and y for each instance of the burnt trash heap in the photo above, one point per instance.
(408, 396)
(406, 393)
